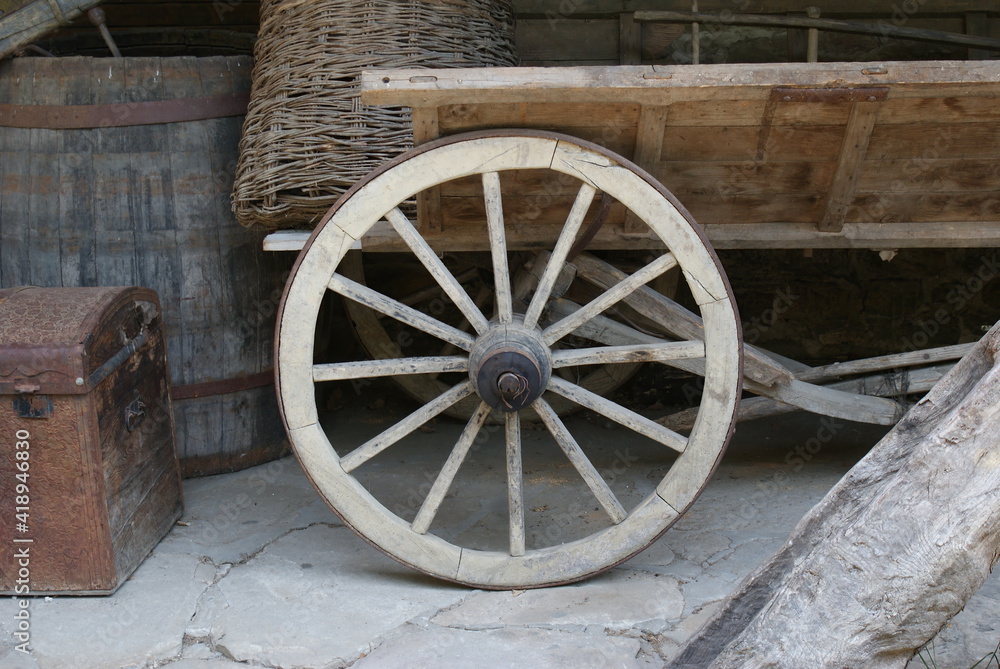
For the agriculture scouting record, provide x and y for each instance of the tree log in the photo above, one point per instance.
(890, 555)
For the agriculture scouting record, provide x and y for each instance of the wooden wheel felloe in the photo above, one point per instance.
(506, 362)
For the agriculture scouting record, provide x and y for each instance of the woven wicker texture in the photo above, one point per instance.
(307, 138)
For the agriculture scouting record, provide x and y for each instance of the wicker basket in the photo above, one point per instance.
(307, 138)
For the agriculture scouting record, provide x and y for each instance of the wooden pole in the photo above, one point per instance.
(890, 555)
(695, 37)
(884, 29)
(812, 46)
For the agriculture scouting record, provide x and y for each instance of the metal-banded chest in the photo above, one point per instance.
(89, 481)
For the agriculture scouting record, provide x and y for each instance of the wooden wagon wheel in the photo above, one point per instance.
(508, 362)
(369, 327)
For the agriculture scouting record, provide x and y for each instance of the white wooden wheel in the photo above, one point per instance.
(508, 360)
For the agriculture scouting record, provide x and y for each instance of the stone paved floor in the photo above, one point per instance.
(262, 574)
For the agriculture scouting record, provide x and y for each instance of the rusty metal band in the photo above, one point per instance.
(117, 115)
(223, 387)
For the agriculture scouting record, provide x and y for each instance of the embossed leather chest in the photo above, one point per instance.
(89, 481)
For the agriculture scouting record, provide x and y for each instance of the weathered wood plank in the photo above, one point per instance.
(543, 116)
(730, 113)
(733, 178)
(852, 155)
(896, 360)
(882, 30)
(932, 208)
(426, 127)
(929, 176)
(669, 84)
(953, 234)
(890, 554)
(722, 143)
(930, 139)
(629, 39)
(559, 9)
(882, 385)
(978, 24)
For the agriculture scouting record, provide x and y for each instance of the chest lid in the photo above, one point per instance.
(63, 341)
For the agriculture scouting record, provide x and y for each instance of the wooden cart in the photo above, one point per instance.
(523, 170)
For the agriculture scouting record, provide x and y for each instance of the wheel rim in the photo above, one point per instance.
(487, 155)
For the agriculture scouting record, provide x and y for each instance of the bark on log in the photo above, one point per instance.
(890, 555)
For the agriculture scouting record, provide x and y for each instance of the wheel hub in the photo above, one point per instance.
(510, 367)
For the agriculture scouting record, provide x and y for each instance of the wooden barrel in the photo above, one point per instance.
(119, 172)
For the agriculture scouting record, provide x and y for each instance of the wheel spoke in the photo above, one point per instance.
(376, 445)
(498, 245)
(340, 371)
(515, 483)
(481, 297)
(373, 299)
(598, 486)
(611, 296)
(434, 290)
(668, 351)
(401, 224)
(584, 198)
(429, 509)
(618, 413)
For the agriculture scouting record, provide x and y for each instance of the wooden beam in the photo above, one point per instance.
(777, 235)
(427, 127)
(892, 552)
(629, 39)
(881, 29)
(668, 84)
(648, 150)
(589, 8)
(978, 24)
(849, 166)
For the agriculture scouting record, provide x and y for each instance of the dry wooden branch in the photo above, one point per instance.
(890, 554)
